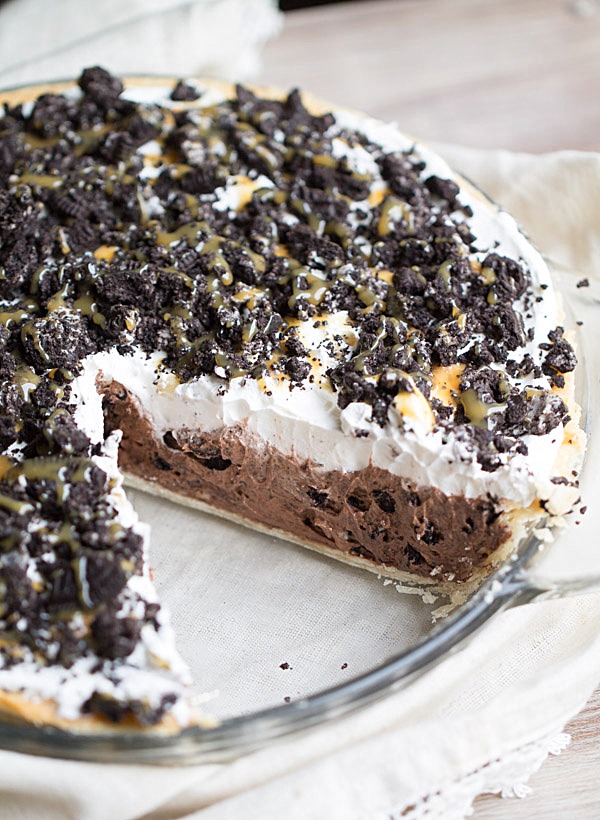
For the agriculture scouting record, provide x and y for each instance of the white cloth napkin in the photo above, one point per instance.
(555, 197)
(53, 40)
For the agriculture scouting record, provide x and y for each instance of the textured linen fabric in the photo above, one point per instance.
(554, 196)
(481, 720)
(219, 38)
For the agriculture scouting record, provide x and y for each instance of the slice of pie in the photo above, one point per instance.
(291, 315)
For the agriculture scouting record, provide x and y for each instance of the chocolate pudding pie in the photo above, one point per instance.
(291, 315)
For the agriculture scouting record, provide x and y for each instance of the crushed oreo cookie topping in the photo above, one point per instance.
(212, 233)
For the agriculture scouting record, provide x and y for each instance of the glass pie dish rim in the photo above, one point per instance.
(511, 585)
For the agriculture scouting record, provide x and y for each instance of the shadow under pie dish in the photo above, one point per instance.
(287, 313)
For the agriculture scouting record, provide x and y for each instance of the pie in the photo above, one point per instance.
(287, 313)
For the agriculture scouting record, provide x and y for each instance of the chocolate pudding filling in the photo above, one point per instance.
(370, 513)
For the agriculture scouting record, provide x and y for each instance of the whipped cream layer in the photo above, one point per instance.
(309, 426)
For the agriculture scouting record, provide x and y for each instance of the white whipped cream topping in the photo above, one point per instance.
(307, 424)
(137, 678)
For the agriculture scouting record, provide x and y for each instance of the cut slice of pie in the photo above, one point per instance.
(289, 314)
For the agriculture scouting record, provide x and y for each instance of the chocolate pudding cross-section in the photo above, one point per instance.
(370, 513)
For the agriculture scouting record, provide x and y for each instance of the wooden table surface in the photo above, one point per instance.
(516, 74)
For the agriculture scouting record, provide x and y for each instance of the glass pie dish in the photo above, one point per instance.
(290, 640)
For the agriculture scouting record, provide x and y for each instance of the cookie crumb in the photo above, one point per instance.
(183, 92)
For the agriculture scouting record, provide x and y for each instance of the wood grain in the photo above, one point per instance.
(517, 74)
(567, 784)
